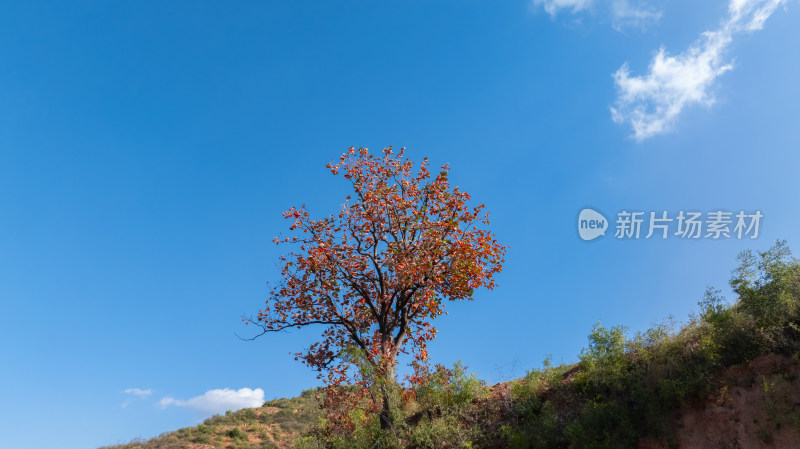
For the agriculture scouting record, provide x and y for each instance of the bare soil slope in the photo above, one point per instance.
(757, 406)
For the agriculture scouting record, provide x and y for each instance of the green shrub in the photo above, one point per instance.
(449, 390)
(602, 426)
(237, 434)
(626, 388)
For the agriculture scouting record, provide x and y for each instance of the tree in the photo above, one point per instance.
(375, 275)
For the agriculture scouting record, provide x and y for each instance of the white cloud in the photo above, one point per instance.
(219, 401)
(553, 7)
(652, 102)
(622, 13)
(138, 392)
(626, 13)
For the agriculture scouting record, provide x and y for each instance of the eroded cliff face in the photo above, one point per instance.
(757, 405)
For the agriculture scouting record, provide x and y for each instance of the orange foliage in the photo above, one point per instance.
(376, 275)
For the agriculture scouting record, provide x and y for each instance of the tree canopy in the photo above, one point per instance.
(376, 274)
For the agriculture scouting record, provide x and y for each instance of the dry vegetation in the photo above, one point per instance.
(276, 424)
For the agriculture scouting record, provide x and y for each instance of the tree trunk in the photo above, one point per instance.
(386, 411)
(386, 392)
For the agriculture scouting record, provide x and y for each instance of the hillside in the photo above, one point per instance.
(276, 424)
(726, 379)
(757, 406)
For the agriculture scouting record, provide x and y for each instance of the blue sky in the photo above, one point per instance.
(147, 150)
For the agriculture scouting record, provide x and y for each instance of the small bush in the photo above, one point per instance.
(237, 434)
